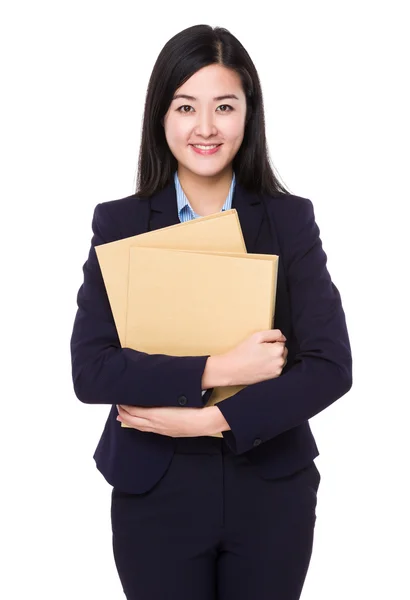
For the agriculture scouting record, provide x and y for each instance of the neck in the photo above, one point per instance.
(206, 194)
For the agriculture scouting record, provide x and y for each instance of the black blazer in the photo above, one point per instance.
(269, 419)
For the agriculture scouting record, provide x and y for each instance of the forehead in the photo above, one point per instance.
(212, 81)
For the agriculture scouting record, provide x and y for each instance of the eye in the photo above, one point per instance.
(184, 106)
(188, 106)
(226, 105)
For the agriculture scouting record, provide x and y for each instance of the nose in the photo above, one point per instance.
(205, 124)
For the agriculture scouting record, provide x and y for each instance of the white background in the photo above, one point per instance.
(74, 75)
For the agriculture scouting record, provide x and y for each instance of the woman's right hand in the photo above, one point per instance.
(261, 356)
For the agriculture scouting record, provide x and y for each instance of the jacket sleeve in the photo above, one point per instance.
(322, 370)
(105, 373)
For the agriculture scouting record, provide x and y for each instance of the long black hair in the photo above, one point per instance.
(184, 54)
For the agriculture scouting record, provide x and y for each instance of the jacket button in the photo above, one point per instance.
(182, 400)
(257, 441)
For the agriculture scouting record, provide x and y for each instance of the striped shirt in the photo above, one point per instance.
(185, 210)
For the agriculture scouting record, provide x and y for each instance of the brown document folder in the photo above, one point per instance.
(219, 231)
(189, 303)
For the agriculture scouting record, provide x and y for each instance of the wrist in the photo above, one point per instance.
(217, 372)
(213, 421)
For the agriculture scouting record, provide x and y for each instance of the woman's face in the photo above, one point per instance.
(207, 117)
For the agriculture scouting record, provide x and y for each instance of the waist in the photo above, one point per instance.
(202, 444)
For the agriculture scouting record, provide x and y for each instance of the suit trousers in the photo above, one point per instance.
(212, 528)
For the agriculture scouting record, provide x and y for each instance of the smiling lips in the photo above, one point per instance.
(205, 149)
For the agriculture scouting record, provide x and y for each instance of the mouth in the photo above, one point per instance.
(205, 149)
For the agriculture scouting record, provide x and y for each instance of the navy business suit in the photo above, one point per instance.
(268, 420)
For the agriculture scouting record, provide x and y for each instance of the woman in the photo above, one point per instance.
(193, 515)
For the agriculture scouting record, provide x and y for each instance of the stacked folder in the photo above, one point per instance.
(189, 289)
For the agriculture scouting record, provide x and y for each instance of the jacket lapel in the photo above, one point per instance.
(250, 213)
(164, 212)
(164, 208)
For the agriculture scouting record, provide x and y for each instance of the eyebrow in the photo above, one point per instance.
(216, 99)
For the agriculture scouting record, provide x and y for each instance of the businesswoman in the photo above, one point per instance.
(196, 516)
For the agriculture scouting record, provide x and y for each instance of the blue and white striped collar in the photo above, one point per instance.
(185, 210)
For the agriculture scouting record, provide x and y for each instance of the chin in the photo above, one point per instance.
(206, 170)
(209, 173)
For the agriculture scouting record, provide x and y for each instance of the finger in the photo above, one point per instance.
(124, 414)
(278, 348)
(271, 335)
(275, 350)
(127, 408)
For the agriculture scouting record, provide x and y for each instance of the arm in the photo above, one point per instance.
(322, 372)
(105, 373)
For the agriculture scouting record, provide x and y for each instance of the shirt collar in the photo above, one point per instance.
(183, 201)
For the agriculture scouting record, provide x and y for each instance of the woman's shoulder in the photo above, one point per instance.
(119, 218)
(121, 205)
(289, 199)
(290, 207)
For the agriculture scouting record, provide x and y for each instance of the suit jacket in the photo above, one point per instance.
(269, 419)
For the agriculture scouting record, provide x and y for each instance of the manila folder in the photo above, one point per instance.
(186, 303)
(218, 231)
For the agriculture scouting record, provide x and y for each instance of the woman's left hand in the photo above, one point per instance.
(171, 421)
